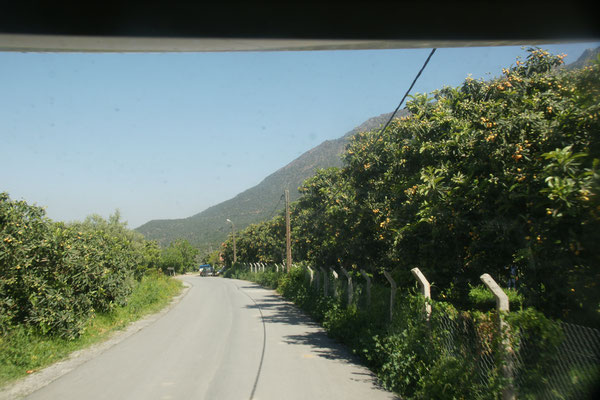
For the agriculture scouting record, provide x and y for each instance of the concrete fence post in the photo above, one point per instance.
(335, 283)
(392, 292)
(312, 275)
(263, 267)
(425, 291)
(317, 280)
(368, 279)
(325, 282)
(277, 267)
(502, 304)
(350, 288)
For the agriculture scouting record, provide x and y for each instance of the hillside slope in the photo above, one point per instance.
(587, 57)
(259, 203)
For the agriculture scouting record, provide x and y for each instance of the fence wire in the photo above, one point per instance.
(570, 370)
(462, 338)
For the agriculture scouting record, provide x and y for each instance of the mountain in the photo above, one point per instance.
(587, 57)
(259, 203)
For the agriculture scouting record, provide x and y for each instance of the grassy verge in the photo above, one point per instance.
(23, 351)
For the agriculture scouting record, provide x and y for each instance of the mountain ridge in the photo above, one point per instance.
(258, 203)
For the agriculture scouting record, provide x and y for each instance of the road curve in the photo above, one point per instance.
(226, 339)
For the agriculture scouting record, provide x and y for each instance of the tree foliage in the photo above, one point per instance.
(180, 255)
(54, 276)
(476, 179)
(262, 242)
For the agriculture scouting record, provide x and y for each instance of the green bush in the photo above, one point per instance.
(53, 276)
(268, 278)
(180, 256)
(449, 378)
(291, 284)
(483, 299)
(539, 337)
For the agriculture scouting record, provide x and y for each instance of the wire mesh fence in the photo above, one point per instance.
(570, 370)
(463, 338)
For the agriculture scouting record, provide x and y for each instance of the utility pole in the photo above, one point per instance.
(288, 233)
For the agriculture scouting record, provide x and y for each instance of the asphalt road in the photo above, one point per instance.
(226, 339)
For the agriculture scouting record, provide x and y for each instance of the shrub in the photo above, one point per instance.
(53, 276)
(449, 379)
(483, 299)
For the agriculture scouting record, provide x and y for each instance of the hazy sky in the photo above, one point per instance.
(168, 135)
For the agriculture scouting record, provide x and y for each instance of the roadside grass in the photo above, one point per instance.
(24, 351)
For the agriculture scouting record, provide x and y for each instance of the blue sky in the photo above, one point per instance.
(166, 135)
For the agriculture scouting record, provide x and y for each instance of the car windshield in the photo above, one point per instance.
(361, 219)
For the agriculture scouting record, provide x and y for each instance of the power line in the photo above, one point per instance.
(275, 209)
(395, 111)
(407, 92)
(378, 136)
(384, 127)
